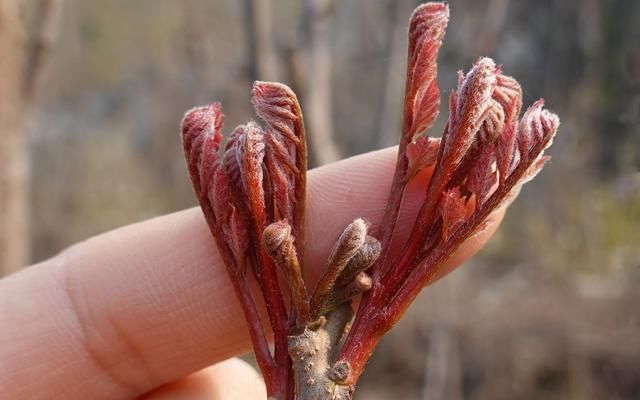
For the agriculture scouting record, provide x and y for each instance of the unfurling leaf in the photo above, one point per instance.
(236, 235)
(472, 102)
(492, 124)
(278, 107)
(278, 242)
(535, 132)
(243, 161)
(505, 149)
(422, 95)
(509, 94)
(482, 177)
(361, 261)
(201, 140)
(347, 246)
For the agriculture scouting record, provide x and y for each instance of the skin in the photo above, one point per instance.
(145, 310)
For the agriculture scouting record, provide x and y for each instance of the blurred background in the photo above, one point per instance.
(92, 94)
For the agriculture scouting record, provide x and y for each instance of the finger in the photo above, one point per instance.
(232, 379)
(129, 310)
(371, 206)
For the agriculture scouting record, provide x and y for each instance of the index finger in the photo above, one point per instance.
(132, 309)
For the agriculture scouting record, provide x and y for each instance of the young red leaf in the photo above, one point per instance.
(509, 94)
(472, 102)
(232, 161)
(198, 124)
(250, 151)
(201, 139)
(422, 99)
(453, 210)
(473, 99)
(536, 131)
(421, 103)
(526, 137)
(492, 124)
(482, 177)
(282, 200)
(236, 235)
(421, 154)
(505, 150)
(278, 107)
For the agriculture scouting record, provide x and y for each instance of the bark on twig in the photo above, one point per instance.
(313, 353)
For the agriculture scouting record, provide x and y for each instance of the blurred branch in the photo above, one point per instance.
(436, 366)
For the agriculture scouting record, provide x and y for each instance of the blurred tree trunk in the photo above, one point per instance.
(391, 101)
(494, 19)
(13, 243)
(442, 369)
(26, 32)
(262, 63)
(316, 26)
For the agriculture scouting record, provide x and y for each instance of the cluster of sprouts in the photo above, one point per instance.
(252, 194)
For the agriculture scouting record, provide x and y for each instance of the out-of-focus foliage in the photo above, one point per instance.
(548, 309)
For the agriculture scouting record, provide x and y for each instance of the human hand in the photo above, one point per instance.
(141, 311)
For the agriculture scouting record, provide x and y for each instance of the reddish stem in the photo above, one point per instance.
(243, 292)
(278, 319)
(363, 338)
(356, 339)
(301, 185)
(430, 262)
(417, 42)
